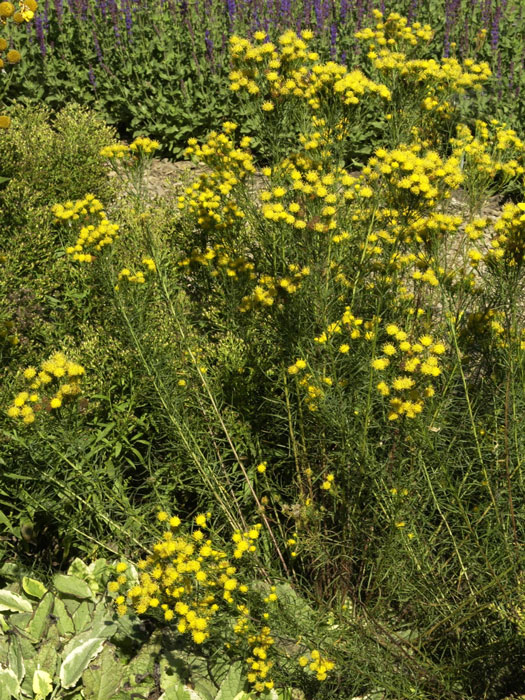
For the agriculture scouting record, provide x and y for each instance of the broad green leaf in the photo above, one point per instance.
(82, 616)
(72, 586)
(176, 692)
(20, 620)
(79, 569)
(3, 624)
(270, 695)
(204, 688)
(15, 603)
(102, 681)
(47, 657)
(26, 685)
(64, 621)
(42, 684)
(71, 604)
(171, 671)
(26, 647)
(4, 651)
(40, 619)
(76, 662)
(15, 660)
(233, 684)
(9, 685)
(33, 587)
(144, 662)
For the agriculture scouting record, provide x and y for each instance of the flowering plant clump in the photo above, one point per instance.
(210, 198)
(195, 585)
(419, 361)
(130, 162)
(93, 236)
(291, 69)
(9, 56)
(56, 381)
(492, 157)
(141, 146)
(138, 277)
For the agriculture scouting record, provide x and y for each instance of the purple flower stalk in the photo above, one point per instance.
(231, 11)
(128, 19)
(494, 30)
(91, 76)
(333, 40)
(59, 10)
(319, 15)
(100, 57)
(40, 35)
(209, 46)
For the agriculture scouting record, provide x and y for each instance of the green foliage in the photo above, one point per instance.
(337, 356)
(162, 71)
(66, 641)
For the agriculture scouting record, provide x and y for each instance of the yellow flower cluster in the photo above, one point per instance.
(139, 276)
(25, 13)
(274, 72)
(419, 360)
(492, 150)
(141, 146)
(58, 372)
(258, 662)
(432, 228)
(486, 328)
(313, 394)
(189, 580)
(317, 664)
(12, 56)
(232, 265)
(394, 33)
(186, 577)
(269, 288)
(349, 323)
(410, 178)
(92, 235)
(509, 243)
(318, 197)
(209, 197)
(322, 137)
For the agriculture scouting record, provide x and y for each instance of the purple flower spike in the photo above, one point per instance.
(494, 30)
(231, 11)
(333, 40)
(92, 80)
(39, 30)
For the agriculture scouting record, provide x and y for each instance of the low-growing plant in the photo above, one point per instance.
(65, 641)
